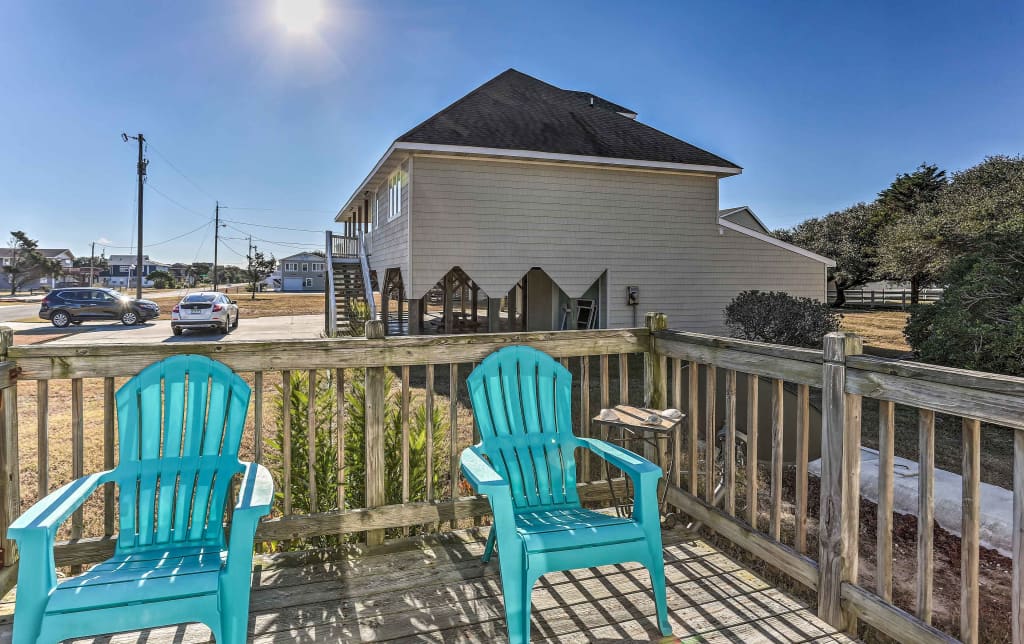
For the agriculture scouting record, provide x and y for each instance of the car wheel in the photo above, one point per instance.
(176, 330)
(234, 323)
(60, 319)
(227, 325)
(128, 318)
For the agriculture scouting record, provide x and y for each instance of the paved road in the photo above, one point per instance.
(291, 327)
(18, 311)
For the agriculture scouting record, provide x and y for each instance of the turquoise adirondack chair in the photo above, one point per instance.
(525, 465)
(179, 426)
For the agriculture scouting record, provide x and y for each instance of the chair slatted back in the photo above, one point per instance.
(523, 406)
(180, 423)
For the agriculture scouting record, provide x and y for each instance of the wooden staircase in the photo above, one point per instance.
(349, 295)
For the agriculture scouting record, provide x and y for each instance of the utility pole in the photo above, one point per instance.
(92, 262)
(216, 240)
(141, 171)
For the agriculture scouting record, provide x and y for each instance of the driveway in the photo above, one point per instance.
(289, 327)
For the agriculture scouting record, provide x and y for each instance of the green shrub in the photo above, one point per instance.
(979, 322)
(326, 452)
(780, 318)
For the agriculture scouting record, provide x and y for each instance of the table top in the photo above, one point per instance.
(636, 418)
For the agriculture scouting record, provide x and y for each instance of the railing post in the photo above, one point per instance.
(10, 500)
(655, 384)
(374, 441)
(840, 481)
(331, 307)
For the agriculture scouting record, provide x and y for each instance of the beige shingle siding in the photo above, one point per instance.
(389, 242)
(658, 231)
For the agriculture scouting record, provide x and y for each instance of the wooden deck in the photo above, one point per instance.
(439, 591)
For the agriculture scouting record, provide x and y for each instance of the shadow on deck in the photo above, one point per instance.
(437, 590)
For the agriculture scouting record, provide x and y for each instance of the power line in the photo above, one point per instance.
(174, 201)
(175, 168)
(246, 223)
(166, 240)
(320, 210)
(276, 242)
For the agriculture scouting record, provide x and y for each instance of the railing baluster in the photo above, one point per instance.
(286, 444)
(314, 506)
(729, 457)
(339, 414)
(886, 444)
(803, 432)
(77, 455)
(752, 402)
(10, 496)
(777, 421)
(710, 396)
(405, 439)
(108, 454)
(257, 417)
(428, 403)
(605, 404)
(677, 436)
(623, 378)
(453, 434)
(971, 472)
(42, 437)
(925, 513)
(585, 415)
(693, 415)
(1017, 600)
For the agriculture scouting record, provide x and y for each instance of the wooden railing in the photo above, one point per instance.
(344, 246)
(735, 393)
(330, 303)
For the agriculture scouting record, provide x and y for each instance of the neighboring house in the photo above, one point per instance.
(180, 272)
(121, 268)
(302, 272)
(62, 255)
(551, 196)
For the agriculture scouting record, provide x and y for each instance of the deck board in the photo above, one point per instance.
(437, 590)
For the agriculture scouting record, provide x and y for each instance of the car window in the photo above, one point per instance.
(199, 297)
(102, 296)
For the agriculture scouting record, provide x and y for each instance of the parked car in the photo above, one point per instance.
(204, 310)
(64, 306)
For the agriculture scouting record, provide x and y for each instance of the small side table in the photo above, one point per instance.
(631, 425)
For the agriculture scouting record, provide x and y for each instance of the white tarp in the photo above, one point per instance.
(996, 502)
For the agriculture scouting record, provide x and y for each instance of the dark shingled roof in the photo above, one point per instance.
(514, 111)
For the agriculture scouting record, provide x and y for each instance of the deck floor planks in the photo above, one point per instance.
(437, 590)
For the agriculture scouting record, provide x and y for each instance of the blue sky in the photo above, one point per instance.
(822, 103)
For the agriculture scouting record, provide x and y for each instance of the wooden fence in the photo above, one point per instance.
(886, 298)
(709, 485)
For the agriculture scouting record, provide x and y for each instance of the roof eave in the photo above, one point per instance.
(725, 223)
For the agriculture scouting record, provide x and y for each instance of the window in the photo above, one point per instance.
(291, 266)
(309, 282)
(305, 268)
(318, 267)
(395, 195)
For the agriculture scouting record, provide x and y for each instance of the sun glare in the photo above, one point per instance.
(299, 16)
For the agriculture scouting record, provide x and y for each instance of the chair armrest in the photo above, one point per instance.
(637, 467)
(480, 474)
(256, 492)
(47, 514)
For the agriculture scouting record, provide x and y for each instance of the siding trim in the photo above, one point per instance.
(725, 223)
(532, 155)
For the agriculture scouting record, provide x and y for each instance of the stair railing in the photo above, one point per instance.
(331, 312)
(364, 263)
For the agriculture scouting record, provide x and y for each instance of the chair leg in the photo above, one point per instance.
(489, 548)
(657, 570)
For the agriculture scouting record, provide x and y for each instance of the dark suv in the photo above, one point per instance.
(64, 306)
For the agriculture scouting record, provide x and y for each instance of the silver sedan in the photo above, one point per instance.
(205, 310)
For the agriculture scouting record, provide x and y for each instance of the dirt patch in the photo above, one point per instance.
(882, 331)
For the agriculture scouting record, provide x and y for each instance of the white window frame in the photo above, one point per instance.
(318, 267)
(308, 283)
(395, 195)
(305, 267)
(291, 266)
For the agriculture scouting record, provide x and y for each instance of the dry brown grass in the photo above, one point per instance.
(273, 304)
(882, 331)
